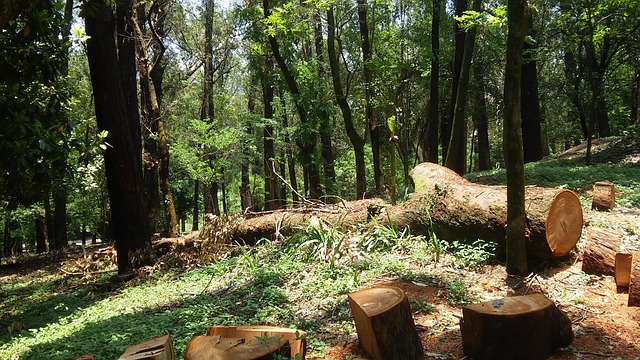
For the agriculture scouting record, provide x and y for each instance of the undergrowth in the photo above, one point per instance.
(300, 282)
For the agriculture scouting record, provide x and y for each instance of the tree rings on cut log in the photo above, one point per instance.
(159, 348)
(603, 196)
(624, 263)
(519, 327)
(600, 251)
(634, 284)
(246, 342)
(384, 323)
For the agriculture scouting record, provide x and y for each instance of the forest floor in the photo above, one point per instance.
(63, 305)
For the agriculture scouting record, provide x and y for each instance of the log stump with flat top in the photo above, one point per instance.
(384, 323)
(634, 284)
(247, 343)
(519, 327)
(603, 196)
(600, 251)
(159, 348)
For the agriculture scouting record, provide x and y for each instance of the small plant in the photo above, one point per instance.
(421, 306)
(383, 238)
(472, 255)
(315, 240)
(457, 293)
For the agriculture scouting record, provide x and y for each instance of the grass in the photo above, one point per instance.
(273, 283)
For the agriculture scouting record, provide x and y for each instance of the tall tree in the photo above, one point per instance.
(375, 129)
(530, 99)
(113, 75)
(512, 140)
(456, 153)
(357, 141)
(431, 140)
(480, 117)
(271, 194)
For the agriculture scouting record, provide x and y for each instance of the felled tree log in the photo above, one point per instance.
(456, 208)
(159, 348)
(603, 196)
(519, 327)
(634, 284)
(600, 251)
(246, 342)
(384, 323)
(623, 266)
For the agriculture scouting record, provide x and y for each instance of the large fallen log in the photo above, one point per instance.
(455, 208)
(519, 327)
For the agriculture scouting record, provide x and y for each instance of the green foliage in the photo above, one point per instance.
(471, 255)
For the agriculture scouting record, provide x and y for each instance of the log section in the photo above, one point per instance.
(634, 284)
(603, 196)
(159, 348)
(384, 323)
(600, 251)
(520, 327)
(624, 262)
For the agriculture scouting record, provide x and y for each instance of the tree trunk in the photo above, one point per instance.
(455, 209)
(519, 327)
(600, 251)
(196, 206)
(117, 112)
(215, 200)
(60, 209)
(384, 323)
(481, 119)
(269, 154)
(530, 99)
(431, 144)
(456, 155)
(374, 128)
(512, 142)
(41, 234)
(635, 94)
(357, 141)
(291, 164)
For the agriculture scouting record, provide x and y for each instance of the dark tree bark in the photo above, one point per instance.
(357, 141)
(431, 140)
(246, 199)
(512, 141)
(271, 201)
(573, 73)
(530, 102)
(196, 206)
(480, 118)
(375, 132)
(60, 207)
(308, 144)
(291, 164)
(113, 77)
(41, 234)
(456, 154)
(460, 6)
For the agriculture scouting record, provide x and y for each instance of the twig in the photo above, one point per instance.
(86, 272)
(273, 168)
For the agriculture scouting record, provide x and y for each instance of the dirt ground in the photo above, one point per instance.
(604, 326)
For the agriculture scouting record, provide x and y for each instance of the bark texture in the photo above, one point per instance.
(600, 251)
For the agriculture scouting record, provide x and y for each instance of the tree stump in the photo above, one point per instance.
(600, 251)
(519, 327)
(384, 323)
(634, 284)
(624, 262)
(603, 196)
(159, 348)
(247, 343)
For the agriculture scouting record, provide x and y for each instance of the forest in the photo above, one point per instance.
(138, 122)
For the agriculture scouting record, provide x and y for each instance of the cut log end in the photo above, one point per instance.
(604, 196)
(159, 348)
(564, 223)
(384, 323)
(623, 265)
(520, 327)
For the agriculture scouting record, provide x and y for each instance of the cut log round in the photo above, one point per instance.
(634, 284)
(246, 342)
(624, 262)
(384, 323)
(519, 327)
(603, 196)
(159, 348)
(460, 209)
(600, 251)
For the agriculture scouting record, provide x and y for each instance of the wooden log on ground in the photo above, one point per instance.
(600, 251)
(159, 348)
(634, 284)
(624, 262)
(603, 196)
(457, 208)
(384, 323)
(247, 343)
(519, 327)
